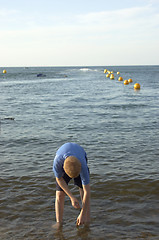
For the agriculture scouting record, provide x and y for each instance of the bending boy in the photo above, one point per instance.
(71, 162)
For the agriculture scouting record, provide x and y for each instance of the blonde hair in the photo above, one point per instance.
(72, 166)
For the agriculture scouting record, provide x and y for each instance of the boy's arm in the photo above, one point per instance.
(61, 182)
(84, 216)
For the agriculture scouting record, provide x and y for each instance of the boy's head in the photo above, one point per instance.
(72, 166)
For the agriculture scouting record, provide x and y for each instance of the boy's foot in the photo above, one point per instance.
(57, 226)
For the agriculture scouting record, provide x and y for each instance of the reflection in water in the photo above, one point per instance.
(83, 232)
(58, 235)
(78, 233)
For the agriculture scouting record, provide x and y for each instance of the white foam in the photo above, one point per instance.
(85, 69)
(88, 69)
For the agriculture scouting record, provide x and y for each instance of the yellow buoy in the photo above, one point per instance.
(108, 75)
(105, 70)
(111, 72)
(112, 76)
(108, 72)
(126, 82)
(130, 80)
(4, 71)
(120, 79)
(118, 73)
(137, 86)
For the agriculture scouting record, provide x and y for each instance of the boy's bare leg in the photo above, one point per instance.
(59, 206)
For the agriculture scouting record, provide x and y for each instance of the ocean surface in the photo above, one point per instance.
(117, 126)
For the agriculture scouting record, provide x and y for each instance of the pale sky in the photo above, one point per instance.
(79, 33)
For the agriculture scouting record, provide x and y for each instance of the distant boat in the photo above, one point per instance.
(41, 75)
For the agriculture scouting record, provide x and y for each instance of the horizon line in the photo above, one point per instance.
(122, 65)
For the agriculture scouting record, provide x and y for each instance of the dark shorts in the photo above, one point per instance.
(77, 182)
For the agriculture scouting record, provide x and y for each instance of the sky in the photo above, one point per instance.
(79, 33)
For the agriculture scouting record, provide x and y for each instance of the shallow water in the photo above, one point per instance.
(118, 128)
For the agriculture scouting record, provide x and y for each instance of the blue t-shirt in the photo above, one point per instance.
(71, 149)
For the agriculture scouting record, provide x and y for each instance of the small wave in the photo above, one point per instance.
(85, 69)
(88, 70)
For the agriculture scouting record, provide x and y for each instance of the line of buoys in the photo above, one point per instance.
(110, 74)
(126, 82)
(130, 80)
(120, 79)
(137, 86)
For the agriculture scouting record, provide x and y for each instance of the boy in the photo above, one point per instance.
(71, 162)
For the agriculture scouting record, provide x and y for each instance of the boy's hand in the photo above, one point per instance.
(75, 203)
(81, 220)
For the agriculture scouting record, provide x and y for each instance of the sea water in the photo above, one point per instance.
(117, 126)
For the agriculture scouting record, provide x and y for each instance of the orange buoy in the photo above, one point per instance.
(130, 80)
(118, 73)
(126, 82)
(120, 79)
(112, 76)
(137, 86)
